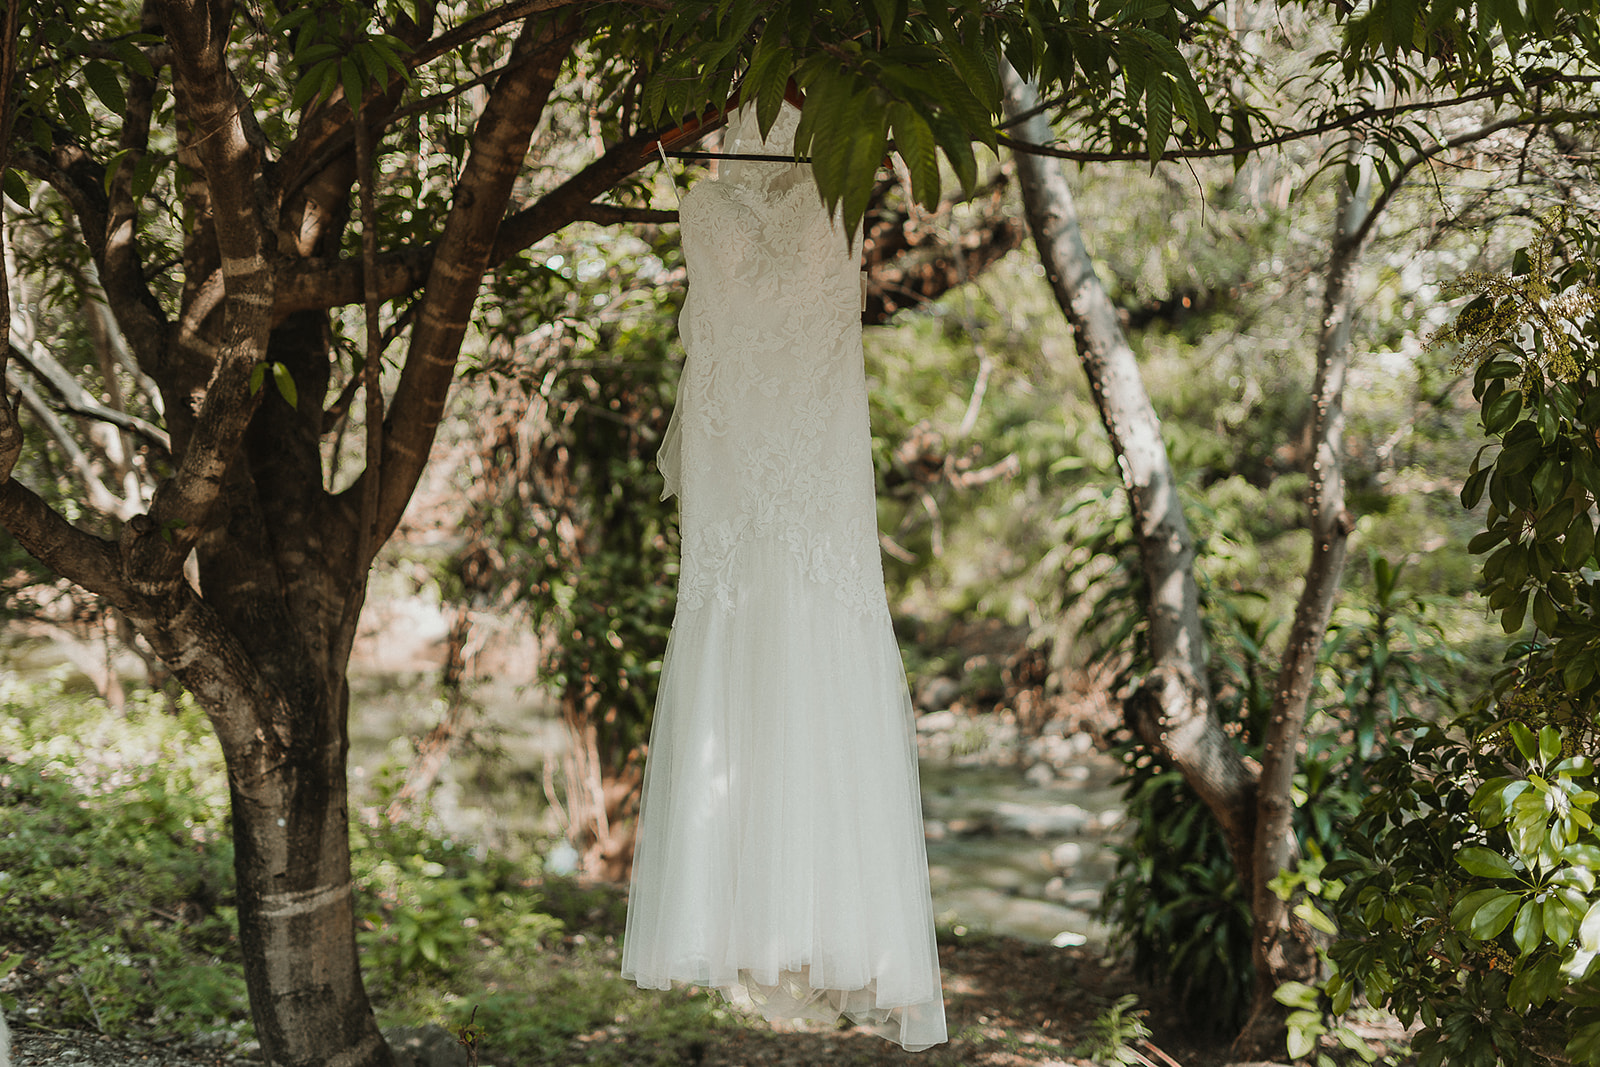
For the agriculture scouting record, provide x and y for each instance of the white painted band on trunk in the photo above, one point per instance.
(254, 297)
(300, 902)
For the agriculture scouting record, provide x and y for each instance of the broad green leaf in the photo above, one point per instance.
(1492, 916)
(316, 53)
(1314, 916)
(1296, 995)
(133, 58)
(1526, 930)
(1549, 744)
(106, 85)
(1534, 985)
(16, 187)
(1589, 929)
(306, 89)
(1523, 738)
(145, 173)
(350, 77)
(1578, 544)
(1485, 863)
(1558, 922)
(1302, 1040)
(913, 140)
(1515, 614)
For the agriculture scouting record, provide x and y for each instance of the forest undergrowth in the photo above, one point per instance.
(116, 921)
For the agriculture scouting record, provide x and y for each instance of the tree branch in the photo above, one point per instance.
(1344, 122)
(231, 159)
(568, 201)
(100, 498)
(614, 214)
(1172, 708)
(10, 428)
(480, 26)
(465, 252)
(81, 558)
(77, 400)
(1277, 954)
(121, 262)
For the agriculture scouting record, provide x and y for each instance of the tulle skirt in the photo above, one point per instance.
(780, 849)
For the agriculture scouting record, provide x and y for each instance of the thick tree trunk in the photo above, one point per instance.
(1171, 708)
(292, 862)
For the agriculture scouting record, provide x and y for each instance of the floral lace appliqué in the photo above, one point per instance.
(769, 447)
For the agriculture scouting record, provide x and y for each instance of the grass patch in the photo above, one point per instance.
(116, 905)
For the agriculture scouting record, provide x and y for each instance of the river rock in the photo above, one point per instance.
(425, 1046)
(1066, 856)
(937, 693)
(937, 722)
(1040, 774)
(1053, 820)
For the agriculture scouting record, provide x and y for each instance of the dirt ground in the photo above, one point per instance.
(1009, 1004)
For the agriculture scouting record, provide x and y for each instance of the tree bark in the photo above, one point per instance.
(1171, 708)
(1282, 944)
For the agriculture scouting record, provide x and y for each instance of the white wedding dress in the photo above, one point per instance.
(780, 847)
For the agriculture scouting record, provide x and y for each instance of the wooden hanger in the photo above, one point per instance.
(711, 119)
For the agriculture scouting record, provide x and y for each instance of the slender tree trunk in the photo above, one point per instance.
(1171, 709)
(1281, 948)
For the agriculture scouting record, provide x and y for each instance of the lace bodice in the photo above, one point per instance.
(769, 442)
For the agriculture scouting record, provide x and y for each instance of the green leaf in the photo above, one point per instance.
(285, 383)
(258, 374)
(289, 22)
(913, 140)
(1589, 929)
(106, 85)
(1296, 995)
(16, 187)
(1549, 744)
(350, 77)
(1301, 1042)
(1558, 921)
(1485, 863)
(1314, 916)
(1584, 1044)
(1578, 543)
(1544, 612)
(1534, 985)
(1500, 413)
(73, 110)
(1523, 738)
(1526, 930)
(307, 88)
(1158, 115)
(1492, 916)
(1516, 614)
(133, 58)
(145, 173)
(313, 54)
